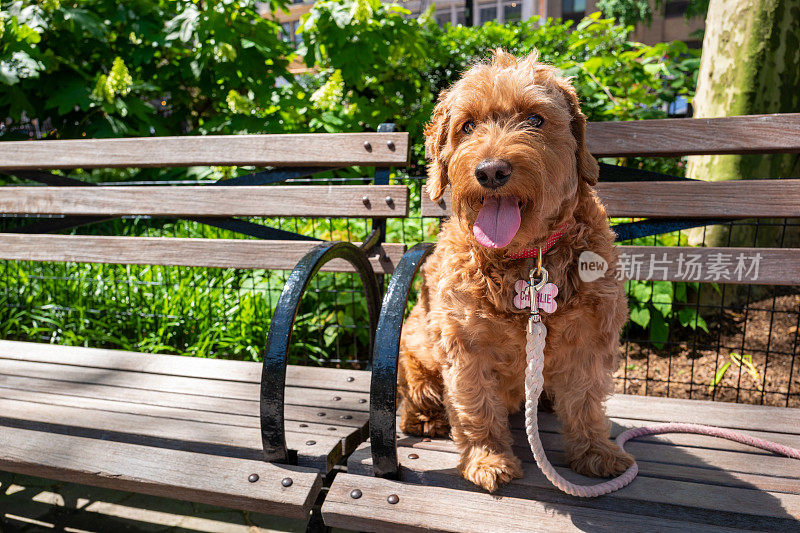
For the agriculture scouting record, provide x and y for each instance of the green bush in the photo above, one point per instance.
(101, 68)
(390, 68)
(157, 67)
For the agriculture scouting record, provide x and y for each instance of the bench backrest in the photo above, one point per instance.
(664, 197)
(213, 204)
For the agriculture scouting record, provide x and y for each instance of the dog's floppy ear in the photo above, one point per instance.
(435, 141)
(587, 165)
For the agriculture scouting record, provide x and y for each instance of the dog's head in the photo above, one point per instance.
(508, 138)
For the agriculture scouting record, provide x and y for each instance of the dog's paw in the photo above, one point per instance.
(489, 470)
(602, 459)
(420, 425)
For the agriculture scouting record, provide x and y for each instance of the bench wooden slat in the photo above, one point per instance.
(425, 508)
(728, 415)
(667, 460)
(177, 365)
(548, 422)
(314, 149)
(82, 418)
(550, 426)
(196, 477)
(215, 420)
(753, 134)
(212, 398)
(658, 496)
(640, 410)
(212, 253)
(685, 477)
(657, 458)
(194, 407)
(316, 399)
(695, 451)
(700, 199)
(649, 467)
(208, 201)
(209, 392)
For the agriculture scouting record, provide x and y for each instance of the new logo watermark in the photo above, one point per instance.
(591, 266)
(675, 265)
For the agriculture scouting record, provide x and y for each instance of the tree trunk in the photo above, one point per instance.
(750, 65)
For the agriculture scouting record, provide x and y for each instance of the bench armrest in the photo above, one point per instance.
(273, 374)
(383, 388)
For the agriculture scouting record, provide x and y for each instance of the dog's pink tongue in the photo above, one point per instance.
(497, 222)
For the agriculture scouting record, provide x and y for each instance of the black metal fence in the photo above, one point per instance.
(743, 347)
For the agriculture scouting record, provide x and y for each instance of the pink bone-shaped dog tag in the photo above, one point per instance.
(546, 298)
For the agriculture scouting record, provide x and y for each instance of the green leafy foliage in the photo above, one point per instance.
(141, 68)
(617, 79)
(635, 11)
(627, 11)
(392, 67)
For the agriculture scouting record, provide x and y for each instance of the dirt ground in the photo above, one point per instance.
(685, 367)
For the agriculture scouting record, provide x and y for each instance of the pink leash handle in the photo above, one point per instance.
(534, 383)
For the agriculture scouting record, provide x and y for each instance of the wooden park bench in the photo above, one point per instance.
(180, 427)
(686, 482)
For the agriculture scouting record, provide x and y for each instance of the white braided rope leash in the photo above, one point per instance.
(534, 382)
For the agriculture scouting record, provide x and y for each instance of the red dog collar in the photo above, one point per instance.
(551, 241)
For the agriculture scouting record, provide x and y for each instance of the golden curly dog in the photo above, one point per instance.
(508, 138)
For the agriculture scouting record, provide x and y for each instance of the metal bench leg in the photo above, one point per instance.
(273, 374)
(383, 388)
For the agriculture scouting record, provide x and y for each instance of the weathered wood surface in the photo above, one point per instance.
(158, 427)
(657, 491)
(317, 149)
(216, 396)
(701, 199)
(299, 418)
(425, 508)
(339, 407)
(729, 415)
(212, 253)
(197, 477)
(209, 201)
(674, 457)
(695, 478)
(177, 365)
(753, 134)
(195, 390)
(549, 424)
(138, 387)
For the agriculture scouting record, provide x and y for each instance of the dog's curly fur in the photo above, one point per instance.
(463, 346)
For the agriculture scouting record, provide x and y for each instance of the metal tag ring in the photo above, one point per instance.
(538, 285)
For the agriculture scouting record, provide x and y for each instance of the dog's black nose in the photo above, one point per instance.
(493, 173)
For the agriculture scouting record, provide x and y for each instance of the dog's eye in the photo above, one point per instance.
(535, 121)
(468, 127)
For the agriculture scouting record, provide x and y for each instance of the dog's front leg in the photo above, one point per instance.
(479, 421)
(579, 391)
